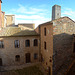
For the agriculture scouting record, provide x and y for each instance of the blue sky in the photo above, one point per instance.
(37, 11)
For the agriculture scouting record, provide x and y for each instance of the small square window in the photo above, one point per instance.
(17, 58)
(35, 56)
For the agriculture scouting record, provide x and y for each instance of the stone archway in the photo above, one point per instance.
(28, 56)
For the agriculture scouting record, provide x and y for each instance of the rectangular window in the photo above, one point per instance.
(45, 31)
(27, 42)
(35, 42)
(45, 45)
(35, 56)
(16, 43)
(1, 44)
(17, 58)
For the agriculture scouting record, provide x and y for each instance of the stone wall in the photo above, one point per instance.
(10, 20)
(3, 20)
(9, 51)
(63, 30)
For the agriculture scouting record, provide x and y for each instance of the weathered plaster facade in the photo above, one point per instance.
(8, 53)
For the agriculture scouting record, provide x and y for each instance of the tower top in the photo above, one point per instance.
(56, 5)
(56, 12)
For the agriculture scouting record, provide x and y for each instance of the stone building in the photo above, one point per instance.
(10, 20)
(18, 47)
(50, 43)
(56, 12)
(56, 38)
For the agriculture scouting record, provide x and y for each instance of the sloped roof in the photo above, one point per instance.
(16, 31)
(62, 18)
(49, 22)
(26, 33)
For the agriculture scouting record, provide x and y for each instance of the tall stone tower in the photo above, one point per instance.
(0, 14)
(56, 12)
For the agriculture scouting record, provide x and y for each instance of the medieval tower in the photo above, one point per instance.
(56, 12)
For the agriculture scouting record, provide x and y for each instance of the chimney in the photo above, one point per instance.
(56, 12)
(0, 14)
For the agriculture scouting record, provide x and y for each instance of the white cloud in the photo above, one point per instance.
(69, 12)
(36, 22)
(29, 17)
(27, 10)
(25, 14)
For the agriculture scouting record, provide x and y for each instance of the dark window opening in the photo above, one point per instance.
(45, 31)
(35, 42)
(45, 45)
(1, 44)
(17, 58)
(17, 45)
(27, 43)
(35, 56)
(28, 58)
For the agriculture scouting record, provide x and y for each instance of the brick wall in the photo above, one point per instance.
(48, 52)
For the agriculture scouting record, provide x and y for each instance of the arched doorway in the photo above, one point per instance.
(27, 58)
(0, 62)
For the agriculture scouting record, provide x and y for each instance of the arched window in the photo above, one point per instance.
(17, 58)
(35, 42)
(27, 42)
(45, 31)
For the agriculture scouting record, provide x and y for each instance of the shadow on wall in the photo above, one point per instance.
(62, 48)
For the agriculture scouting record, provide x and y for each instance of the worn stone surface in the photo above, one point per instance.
(63, 30)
